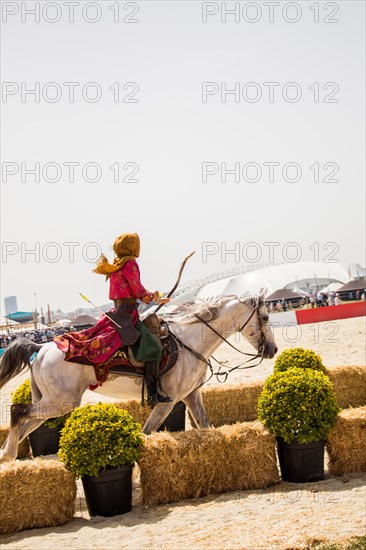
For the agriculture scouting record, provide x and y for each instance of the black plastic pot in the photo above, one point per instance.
(44, 440)
(110, 492)
(176, 421)
(301, 462)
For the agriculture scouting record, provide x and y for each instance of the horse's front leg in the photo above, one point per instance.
(196, 407)
(157, 417)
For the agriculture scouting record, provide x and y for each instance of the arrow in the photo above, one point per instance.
(98, 308)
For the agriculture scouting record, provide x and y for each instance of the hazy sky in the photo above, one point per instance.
(297, 114)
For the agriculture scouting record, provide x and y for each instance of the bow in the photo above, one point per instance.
(178, 279)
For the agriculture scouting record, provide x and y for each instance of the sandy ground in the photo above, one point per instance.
(284, 516)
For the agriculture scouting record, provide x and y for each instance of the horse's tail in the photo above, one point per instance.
(16, 358)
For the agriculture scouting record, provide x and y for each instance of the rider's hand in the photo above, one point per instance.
(159, 299)
(163, 300)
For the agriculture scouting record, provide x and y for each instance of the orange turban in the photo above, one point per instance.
(126, 247)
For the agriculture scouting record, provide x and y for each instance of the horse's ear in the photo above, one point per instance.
(262, 295)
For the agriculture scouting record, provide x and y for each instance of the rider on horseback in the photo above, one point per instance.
(125, 288)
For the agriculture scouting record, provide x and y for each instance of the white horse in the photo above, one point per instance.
(58, 386)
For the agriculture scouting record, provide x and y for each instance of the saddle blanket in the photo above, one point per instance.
(120, 364)
(101, 346)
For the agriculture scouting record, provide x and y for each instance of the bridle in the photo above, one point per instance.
(252, 356)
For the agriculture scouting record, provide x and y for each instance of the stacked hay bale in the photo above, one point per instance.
(349, 385)
(139, 413)
(231, 404)
(23, 449)
(175, 466)
(346, 444)
(35, 493)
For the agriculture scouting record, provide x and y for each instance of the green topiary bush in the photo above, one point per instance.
(97, 437)
(23, 394)
(298, 357)
(298, 405)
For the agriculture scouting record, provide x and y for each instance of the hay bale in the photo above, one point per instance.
(231, 404)
(23, 449)
(35, 493)
(175, 466)
(346, 444)
(227, 404)
(349, 385)
(138, 412)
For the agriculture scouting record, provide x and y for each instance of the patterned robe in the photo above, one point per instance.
(98, 343)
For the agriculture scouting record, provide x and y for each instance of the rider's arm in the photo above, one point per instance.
(132, 273)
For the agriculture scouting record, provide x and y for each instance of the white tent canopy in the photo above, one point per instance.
(332, 287)
(23, 328)
(273, 278)
(62, 322)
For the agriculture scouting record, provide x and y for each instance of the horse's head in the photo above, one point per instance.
(257, 330)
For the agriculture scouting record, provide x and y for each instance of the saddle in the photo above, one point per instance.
(123, 363)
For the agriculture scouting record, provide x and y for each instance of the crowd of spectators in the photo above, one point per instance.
(38, 336)
(319, 299)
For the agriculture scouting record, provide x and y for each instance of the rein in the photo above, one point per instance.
(224, 339)
(225, 374)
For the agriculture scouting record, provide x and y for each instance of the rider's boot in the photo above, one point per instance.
(152, 377)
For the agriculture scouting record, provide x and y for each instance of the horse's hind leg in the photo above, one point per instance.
(20, 415)
(28, 427)
(10, 448)
(196, 407)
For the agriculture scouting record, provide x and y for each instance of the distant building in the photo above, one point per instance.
(11, 305)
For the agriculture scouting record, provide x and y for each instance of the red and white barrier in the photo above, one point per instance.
(318, 315)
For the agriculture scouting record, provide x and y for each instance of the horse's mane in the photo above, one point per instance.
(208, 310)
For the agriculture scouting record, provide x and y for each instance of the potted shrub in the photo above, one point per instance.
(45, 439)
(298, 357)
(100, 444)
(299, 407)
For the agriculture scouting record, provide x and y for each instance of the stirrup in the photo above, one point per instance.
(163, 399)
(155, 398)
